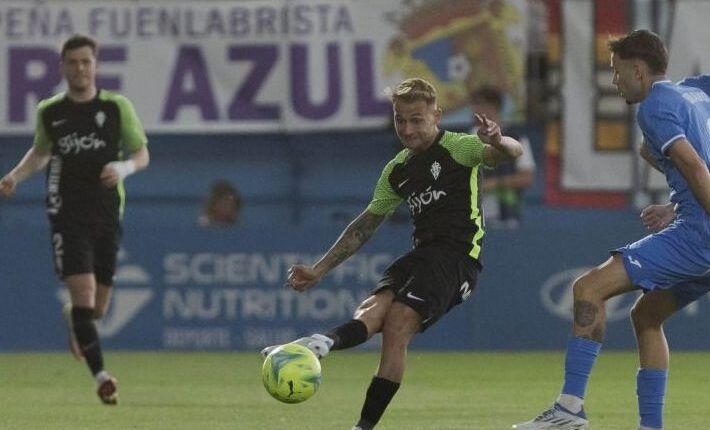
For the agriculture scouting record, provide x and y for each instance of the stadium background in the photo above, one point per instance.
(285, 100)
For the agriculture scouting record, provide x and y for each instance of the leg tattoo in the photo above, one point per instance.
(585, 313)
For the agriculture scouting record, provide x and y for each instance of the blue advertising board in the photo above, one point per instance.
(190, 288)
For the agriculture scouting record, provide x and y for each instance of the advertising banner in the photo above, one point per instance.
(265, 65)
(194, 289)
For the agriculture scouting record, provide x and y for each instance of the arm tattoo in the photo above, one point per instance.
(353, 237)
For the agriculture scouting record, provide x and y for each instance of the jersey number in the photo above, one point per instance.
(465, 291)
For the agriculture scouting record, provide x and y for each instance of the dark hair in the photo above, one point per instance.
(489, 95)
(642, 45)
(220, 189)
(79, 41)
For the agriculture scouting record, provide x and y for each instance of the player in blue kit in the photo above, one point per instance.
(700, 81)
(671, 266)
(658, 217)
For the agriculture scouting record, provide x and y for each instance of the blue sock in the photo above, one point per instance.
(651, 389)
(581, 355)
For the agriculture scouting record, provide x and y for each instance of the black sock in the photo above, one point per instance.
(348, 335)
(88, 337)
(379, 395)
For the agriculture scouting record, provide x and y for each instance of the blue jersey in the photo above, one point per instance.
(700, 81)
(677, 258)
(668, 113)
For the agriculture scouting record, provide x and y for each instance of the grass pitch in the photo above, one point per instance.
(442, 391)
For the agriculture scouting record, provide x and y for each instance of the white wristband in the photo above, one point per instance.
(123, 168)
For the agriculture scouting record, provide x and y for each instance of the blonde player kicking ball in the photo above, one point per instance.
(437, 174)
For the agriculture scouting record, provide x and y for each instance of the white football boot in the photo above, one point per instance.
(556, 418)
(107, 388)
(317, 343)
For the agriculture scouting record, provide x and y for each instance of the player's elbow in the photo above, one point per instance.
(141, 158)
(515, 149)
(146, 162)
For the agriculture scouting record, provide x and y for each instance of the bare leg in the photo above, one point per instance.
(400, 324)
(102, 300)
(82, 290)
(647, 316)
(373, 310)
(591, 291)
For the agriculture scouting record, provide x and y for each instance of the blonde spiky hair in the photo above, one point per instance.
(412, 90)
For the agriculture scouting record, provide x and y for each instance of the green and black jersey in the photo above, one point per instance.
(441, 189)
(83, 138)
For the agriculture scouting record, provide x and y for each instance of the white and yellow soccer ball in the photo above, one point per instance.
(291, 373)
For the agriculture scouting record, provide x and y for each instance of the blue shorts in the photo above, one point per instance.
(676, 259)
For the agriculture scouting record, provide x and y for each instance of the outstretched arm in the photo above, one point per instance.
(355, 235)
(35, 159)
(498, 148)
(693, 169)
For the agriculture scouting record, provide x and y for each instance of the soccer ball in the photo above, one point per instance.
(291, 373)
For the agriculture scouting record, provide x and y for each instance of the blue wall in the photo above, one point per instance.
(186, 288)
(182, 287)
(305, 178)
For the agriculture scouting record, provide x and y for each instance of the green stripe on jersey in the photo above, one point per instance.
(467, 150)
(41, 140)
(384, 199)
(133, 136)
(476, 215)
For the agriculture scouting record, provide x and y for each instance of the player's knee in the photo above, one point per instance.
(393, 329)
(583, 288)
(400, 325)
(99, 312)
(394, 338)
(366, 307)
(644, 317)
(372, 313)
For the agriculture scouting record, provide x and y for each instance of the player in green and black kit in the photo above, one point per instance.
(437, 175)
(91, 139)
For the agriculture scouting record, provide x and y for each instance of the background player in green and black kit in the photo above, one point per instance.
(91, 139)
(437, 175)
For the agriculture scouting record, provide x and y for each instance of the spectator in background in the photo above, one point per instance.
(222, 206)
(503, 186)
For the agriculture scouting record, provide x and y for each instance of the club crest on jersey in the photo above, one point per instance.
(100, 118)
(435, 170)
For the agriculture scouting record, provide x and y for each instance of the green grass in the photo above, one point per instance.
(442, 391)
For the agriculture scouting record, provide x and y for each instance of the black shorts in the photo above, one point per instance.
(431, 280)
(86, 248)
